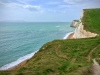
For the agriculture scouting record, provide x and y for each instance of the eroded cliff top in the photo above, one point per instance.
(65, 57)
(91, 20)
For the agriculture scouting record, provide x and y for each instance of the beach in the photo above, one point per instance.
(69, 36)
(19, 41)
(18, 66)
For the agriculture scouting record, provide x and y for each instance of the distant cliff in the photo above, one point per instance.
(71, 56)
(80, 32)
(75, 23)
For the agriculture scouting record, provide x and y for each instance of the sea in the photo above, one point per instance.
(19, 41)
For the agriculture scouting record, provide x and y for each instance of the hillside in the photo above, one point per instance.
(66, 57)
(91, 20)
(60, 57)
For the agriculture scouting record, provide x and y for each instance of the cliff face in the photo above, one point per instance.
(79, 29)
(75, 23)
(81, 33)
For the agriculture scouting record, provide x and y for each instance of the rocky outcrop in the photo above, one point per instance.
(81, 33)
(75, 23)
(79, 29)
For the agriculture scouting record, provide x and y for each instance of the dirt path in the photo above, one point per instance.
(96, 68)
(59, 54)
(90, 54)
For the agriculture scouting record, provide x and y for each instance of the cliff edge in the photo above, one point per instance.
(68, 57)
(80, 32)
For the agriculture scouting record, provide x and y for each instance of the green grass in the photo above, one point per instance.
(62, 57)
(91, 20)
(65, 57)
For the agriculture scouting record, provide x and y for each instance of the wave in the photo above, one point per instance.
(65, 37)
(57, 26)
(18, 61)
(21, 59)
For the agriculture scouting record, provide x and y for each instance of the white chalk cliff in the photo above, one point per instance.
(79, 29)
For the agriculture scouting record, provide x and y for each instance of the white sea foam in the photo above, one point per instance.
(21, 59)
(57, 26)
(67, 35)
(15, 63)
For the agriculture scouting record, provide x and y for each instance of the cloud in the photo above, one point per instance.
(25, 1)
(31, 7)
(63, 6)
(83, 3)
(24, 6)
(72, 1)
(93, 4)
(53, 3)
(52, 10)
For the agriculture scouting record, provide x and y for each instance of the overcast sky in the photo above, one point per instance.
(44, 10)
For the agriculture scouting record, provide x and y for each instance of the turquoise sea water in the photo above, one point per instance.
(19, 40)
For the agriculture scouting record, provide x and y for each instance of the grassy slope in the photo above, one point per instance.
(65, 57)
(91, 20)
(60, 57)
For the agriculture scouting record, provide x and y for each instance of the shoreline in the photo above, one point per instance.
(70, 36)
(67, 35)
(20, 64)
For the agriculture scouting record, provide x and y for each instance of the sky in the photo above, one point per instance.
(44, 10)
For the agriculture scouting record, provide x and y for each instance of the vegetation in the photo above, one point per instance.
(60, 57)
(91, 20)
(65, 57)
(76, 20)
